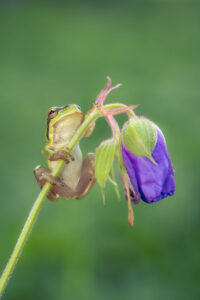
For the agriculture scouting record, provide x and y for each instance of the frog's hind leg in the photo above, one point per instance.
(87, 178)
(60, 189)
(42, 176)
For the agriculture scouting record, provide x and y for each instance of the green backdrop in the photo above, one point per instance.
(55, 53)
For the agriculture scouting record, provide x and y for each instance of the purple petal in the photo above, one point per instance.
(151, 182)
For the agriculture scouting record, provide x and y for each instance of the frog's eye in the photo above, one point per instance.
(52, 113)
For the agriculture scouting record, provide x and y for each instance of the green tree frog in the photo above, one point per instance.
(77, 175)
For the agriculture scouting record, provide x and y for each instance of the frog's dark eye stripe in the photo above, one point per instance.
(52, 113)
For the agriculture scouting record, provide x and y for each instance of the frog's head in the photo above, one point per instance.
(59, 115)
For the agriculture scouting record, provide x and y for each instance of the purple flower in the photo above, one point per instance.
(152, 182)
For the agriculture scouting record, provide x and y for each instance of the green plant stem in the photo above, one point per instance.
(130, 113)
(38, 203)
(94, 114)
(23, 236)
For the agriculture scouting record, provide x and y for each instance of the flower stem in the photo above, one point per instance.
(130, 113)
(39, 201)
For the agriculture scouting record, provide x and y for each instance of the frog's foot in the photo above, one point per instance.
(42, 176)
(62, 154)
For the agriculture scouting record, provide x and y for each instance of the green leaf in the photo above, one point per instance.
(139, 135)
(104, 159)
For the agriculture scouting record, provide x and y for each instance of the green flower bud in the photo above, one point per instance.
(139, 135)
(103, 163)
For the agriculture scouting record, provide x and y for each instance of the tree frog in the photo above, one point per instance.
(77, 175)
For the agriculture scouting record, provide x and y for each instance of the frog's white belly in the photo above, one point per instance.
(70, 173)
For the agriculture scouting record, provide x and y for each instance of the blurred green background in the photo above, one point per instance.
(55, 53)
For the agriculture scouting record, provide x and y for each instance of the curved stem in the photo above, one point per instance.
(130, 113)
(39, 201)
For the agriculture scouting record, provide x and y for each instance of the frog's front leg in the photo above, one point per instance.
(62, 153)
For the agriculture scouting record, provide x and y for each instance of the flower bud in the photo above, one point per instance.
(104, 161)
(153, 179)
(139, 135)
